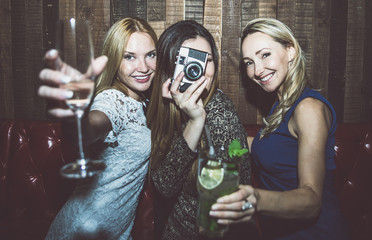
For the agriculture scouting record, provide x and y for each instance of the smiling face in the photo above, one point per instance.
(201, 44)
(138, 65)
(266, 61)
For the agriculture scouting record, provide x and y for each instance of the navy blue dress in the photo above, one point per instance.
(275, 163)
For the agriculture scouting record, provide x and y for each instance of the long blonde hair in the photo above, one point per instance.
(114, 47)
(164, 118)
(296, 79)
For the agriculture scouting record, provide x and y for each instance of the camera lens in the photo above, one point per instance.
(193, 71)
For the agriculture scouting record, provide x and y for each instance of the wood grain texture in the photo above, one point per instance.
(6, 67)
(354, 56)
(331, 32)
(321, 42)
(194, 10)
(175, 11)
(155, 10)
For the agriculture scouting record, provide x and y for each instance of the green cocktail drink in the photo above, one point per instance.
(217, 177)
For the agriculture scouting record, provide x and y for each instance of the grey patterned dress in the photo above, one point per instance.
(171, 179)
(103, 207)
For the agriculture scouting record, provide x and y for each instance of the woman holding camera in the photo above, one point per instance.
(176, 119)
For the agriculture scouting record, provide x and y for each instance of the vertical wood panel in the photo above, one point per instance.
(213, 22)
(33, 59)
(27, 57)
(117, 10)
(354, 57)
(337, 55)
(303, 30)
(286, 10)
(325, 29)
(6, 76)
(250, 10)
(156, 15)
(321, 35)
(267, 8)
(158, 27)
(136, 8)
(18, 54)
(367, 63)
(156, 10)
(248, 90)
(175, 11)
(67, 9)
(194, 10)
(230, 50)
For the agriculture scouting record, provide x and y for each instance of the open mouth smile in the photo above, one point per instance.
(266, 78)
(143, 78)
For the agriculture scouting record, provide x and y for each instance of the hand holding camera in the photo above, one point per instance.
(192, 62)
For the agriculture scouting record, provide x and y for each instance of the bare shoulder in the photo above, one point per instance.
(311, 113)
(309, 106)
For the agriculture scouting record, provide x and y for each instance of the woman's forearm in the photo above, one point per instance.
(299, 203)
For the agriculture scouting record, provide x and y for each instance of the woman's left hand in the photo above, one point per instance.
(236, 207)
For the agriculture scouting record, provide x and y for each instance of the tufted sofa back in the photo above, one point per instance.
(354, 176)
(32, 191)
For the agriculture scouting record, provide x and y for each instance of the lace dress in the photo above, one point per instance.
(103, 207)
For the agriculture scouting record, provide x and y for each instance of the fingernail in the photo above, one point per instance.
(68, 94)
(65, 79)
(219, 221)
(211, 213)
(214, 207)
(52, 53)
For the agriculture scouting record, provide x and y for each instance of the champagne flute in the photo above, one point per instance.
(75, 48)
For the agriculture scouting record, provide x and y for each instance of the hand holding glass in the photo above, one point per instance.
(75, 48)
(218, 175)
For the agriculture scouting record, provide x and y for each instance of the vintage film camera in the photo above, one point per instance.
(193, 63)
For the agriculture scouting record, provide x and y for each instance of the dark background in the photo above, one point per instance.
(335, 34)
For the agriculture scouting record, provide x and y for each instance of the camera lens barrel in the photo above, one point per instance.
(193, 71)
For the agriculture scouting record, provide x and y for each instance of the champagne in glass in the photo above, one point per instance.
(75, 48)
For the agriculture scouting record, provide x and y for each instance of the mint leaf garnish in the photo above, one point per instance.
(236, 150)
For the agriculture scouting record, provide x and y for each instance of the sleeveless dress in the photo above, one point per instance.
(275, 163)
(103, 207)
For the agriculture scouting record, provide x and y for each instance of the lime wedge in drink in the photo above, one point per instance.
(211, 177)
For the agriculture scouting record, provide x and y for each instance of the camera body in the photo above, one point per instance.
(193, 63)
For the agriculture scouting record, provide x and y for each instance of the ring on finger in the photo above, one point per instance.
(247, 205)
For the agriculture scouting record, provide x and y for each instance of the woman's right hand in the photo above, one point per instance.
(236, 207)
(191, 103)
(52, 78)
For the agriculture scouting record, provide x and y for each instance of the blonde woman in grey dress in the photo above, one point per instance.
(103, 207)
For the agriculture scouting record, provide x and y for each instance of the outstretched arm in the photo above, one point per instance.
(56, 75)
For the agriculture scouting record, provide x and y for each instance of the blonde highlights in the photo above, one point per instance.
(114, 47)
(295, 80)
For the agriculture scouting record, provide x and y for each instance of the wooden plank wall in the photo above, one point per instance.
(6, 73)
(334, 34)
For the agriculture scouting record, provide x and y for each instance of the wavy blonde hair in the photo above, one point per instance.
(114, 47)
(164, 118)
(295, 80)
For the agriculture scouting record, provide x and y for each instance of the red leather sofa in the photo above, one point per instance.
(32, 191)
